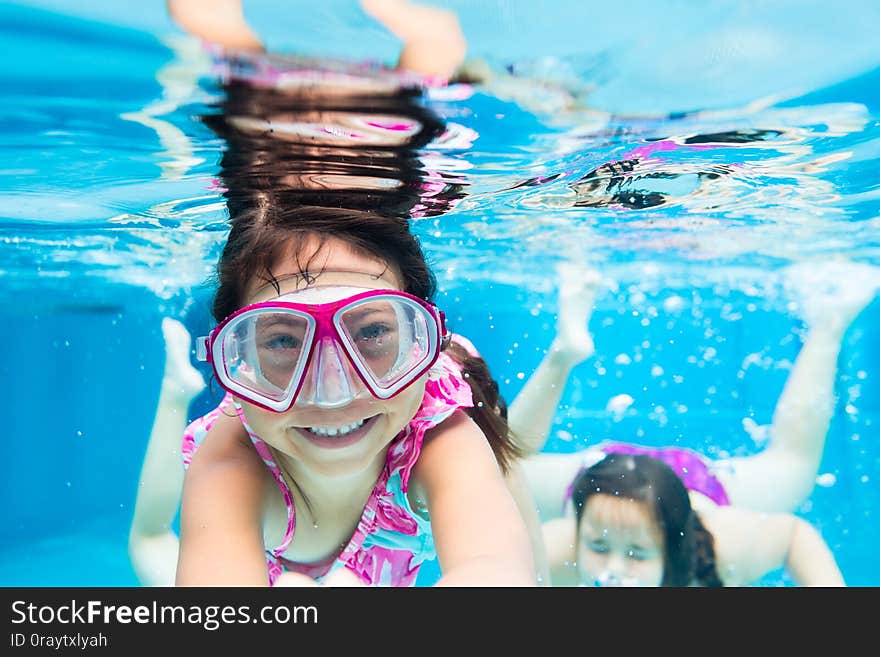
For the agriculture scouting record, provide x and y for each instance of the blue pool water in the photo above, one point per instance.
(109, 220)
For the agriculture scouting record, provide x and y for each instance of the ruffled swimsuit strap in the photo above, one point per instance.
(265, 453)
(196, 430)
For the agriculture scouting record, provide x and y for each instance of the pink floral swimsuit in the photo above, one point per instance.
(391, 540)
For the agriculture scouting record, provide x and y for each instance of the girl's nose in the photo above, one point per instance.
(330, 381)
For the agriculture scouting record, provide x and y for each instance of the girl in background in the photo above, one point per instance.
(634, 525)
(746, 503)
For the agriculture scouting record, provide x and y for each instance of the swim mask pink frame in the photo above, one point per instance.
(324, 322)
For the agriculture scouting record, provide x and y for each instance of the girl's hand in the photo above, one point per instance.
(181, 380)
(832, 293)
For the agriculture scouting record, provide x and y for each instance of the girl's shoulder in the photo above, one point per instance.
(444, 443)
(218, 440)
(456, 427)
(226, 482)
(440, 456)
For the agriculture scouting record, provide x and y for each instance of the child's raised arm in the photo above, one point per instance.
(152, 543)
(781, 476)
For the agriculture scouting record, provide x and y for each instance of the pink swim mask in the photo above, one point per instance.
(283, 352)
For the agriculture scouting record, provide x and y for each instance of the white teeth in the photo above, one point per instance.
(337, 431)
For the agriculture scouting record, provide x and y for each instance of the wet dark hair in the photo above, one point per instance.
(689, 552)
(261, 236)
(242, 98)
(501, 404)
(261, 161)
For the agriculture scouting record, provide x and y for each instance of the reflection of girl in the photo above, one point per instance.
(643, 178)
(333, 133)
(708, 166)
(358, 151)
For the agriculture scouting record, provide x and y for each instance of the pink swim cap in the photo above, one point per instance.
(467, 344)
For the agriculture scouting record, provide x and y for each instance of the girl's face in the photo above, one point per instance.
(620, 543)
(348, 439)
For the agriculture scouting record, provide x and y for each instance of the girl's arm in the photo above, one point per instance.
(480, 537)
(752, 544)
(782, 476)
(221, 541)
(518, 485)
(152, 544)
(530, 415)
(810, 561)
(560, 540)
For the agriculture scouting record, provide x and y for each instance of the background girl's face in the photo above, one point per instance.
(345, 440)
(620, 543)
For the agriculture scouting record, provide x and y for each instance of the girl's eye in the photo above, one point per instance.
(373, 331)
(637, 553)
(281, 342)
(600, 547)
